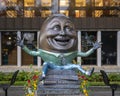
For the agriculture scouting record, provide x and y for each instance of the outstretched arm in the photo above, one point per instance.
(30, 52)
(96, 45)
(21, 44)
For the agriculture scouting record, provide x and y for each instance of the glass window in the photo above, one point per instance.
(99, 3)
(45, 13)
(11, 11)
(106, 2)
(3, 6)
(9, 49)
(46, 3)
(65, 12)
(114, 13)
(64, 3)
(64, 7)
(31, 43)
(37, 3)
(109, 53)
(45, 8)
(28, 3)
(78, 8)
(114, 3)
(87, 43)
(29, 13)
(98, 13)
(11, 3)
(80, 3)
(80, 13)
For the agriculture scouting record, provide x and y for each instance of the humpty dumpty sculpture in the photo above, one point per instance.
(58, 45)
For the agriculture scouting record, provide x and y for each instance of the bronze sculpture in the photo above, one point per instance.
(58, 45)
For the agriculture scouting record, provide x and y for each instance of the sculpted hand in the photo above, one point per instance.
(20, 42)
(96, 45)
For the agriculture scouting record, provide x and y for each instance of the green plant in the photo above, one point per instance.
(31, 82)
(114, 76)
(84, 84)
(96, 77)
(94, 80)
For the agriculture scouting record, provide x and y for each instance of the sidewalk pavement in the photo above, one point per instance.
(94, 91)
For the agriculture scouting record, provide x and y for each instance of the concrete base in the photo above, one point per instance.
(60, 83)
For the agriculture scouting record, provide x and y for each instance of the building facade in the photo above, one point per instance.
(93, 19)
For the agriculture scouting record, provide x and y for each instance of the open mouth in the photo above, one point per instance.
(61, 43)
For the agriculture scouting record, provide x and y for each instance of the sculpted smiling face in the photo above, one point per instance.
(58, 35)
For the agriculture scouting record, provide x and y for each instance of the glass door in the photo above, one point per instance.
(31, 43)
(9, 49)
(88, 38)
(109, 48)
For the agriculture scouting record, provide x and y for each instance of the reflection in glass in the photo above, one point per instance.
(28, 3)
(3, 5)
(88, 3)
(109, 53)
(78, 8)
(114, 13)
(80, 13)
(9, 49)
(64, 3)
(45, 13)
(31, 42)
(65, 12)
(46, 3)
(114, 2)
(11, 3)
(11, 14)
(106, 3)
(98, 13)
(37, 3)
(80, 3)
(99, 3)
(29, 13)
(87, 42)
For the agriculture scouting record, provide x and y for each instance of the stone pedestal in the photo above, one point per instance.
(60, 83)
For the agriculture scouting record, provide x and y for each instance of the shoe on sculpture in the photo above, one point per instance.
(89, 72)
(42, 78)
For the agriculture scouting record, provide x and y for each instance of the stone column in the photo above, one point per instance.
(19, 58)
(38, 58)
(0, 51)
(118, 48)
(99, 50)
(79, 46)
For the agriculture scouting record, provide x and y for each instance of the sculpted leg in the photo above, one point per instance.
(46, 66)
(74, 66)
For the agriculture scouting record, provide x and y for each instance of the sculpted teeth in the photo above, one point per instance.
(61, 42)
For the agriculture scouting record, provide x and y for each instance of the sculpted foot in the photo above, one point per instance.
(42, 77)
(89, 72)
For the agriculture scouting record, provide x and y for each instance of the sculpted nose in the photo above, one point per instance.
(62, 32)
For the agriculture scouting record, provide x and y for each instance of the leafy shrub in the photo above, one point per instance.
(96, 77)
(114, 76)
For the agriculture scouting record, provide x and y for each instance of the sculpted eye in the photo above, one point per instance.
(68, 28)
(56, 28)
